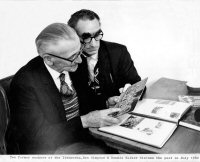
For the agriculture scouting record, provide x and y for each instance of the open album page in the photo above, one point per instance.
(161, 109)
(149, 131)
(129, 98)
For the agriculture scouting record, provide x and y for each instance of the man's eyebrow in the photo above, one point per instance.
(86, 35)
(75, 54)
(72, 56)
(89, 34)
(98, 32)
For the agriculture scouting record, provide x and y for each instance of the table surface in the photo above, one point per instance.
(183, 140)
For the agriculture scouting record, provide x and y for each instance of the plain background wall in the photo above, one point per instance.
(162, 36)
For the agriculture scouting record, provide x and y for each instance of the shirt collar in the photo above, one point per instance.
(94, 57)
(54, 73)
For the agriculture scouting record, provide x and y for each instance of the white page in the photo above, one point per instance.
(162, 109)
(144, 130)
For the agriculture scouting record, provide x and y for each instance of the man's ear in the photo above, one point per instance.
(48, 60)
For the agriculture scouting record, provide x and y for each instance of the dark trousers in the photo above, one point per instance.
(90, 147)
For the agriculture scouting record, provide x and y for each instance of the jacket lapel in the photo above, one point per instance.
(105, 71)
(51, 92)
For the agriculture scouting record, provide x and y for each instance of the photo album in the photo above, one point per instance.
(191, 119)
(148, 121)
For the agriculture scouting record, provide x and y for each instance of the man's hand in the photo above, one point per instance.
(99, 118)
(123, 89)
(112, 101)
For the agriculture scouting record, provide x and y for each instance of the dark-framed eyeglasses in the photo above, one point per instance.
(87, 38)
(71, 60)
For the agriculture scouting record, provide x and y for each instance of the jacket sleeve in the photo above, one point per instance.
(34, 131)
(126, 70)
(25, 111)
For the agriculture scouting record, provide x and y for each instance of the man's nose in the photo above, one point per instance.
(93, 42)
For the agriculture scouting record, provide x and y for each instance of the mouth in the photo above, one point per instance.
(72, 68)
(75, 66)
(91, 51)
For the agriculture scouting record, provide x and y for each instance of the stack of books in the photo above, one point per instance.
(191, 118)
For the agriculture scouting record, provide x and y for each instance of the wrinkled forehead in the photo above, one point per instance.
(86, 26)
(63, 47)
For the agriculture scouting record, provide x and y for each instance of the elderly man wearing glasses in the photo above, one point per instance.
(47, 99)
(107, 68)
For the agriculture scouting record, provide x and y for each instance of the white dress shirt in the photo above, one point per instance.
(55, 75)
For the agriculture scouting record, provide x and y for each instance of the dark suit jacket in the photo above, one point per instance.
(116, 68)
(38, 122)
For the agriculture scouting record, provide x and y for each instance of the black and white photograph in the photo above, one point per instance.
(65, 65)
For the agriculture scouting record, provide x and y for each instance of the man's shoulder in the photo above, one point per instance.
(113, 49)
(112, 44)
(26, 71)
(32, 65)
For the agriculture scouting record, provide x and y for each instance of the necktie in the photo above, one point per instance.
(64, 88)
(91, 65)
(69, 99)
